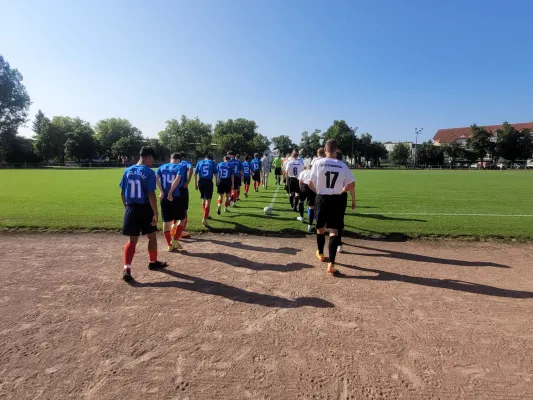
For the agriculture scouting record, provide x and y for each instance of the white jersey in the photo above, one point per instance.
(266, 164)
(294, 167)
(305, 176)
(315, 160)
(330, 176)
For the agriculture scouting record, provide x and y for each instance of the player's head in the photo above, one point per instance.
(339, 155)
(238, 156)
(256, 155)
(227, 158)
(209, 156)
(320, 153)
(331, 148)
(247, 158)
(147, 155)
(175, 158)
(183, 155)
(279, 155)
(231, 154)
(295, 154)
(288, 155)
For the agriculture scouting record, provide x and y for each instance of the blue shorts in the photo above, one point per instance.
(138, 220)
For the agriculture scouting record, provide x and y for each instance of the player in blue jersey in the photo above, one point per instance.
(140, 216)
(182, 202)
(170, 210)
(184, 192)
(246, 173)
(224, 183)
(236, 167)
(206, 169)
(256, 171)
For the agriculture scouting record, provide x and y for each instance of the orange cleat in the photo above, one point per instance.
(331, 268)
(320, 257)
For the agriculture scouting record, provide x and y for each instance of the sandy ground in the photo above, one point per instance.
(241, 317)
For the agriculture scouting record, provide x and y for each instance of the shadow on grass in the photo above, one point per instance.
(242, 246)
(422, 258)
(451, 284)
(195, 284)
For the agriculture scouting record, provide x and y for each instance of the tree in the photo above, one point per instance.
(453, 151)
(344, 135)
(188, 135)
(310, 143)
(127, 147)
(283, 144)
(428, 153)
(376, 152)
(512, 144)
(162, 153)
(470, 155)
(110, 130)
(400, 154)
(80, 144)
(239, 135)
(480, 142)
(363, 144)
(14, 105)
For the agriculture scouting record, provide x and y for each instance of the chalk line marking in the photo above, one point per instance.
(452, 214)
(274, 197)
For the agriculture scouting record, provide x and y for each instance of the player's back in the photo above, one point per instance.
(224, 170)
(236, 166)
(137, 182)
(256, 164)
(205, 169)
(330, 176)
(294, 167)
(246, 168)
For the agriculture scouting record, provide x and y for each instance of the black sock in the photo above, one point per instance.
(311, 216)
(333, 244)
(301, 206)
(321, 242)
(339, 235)
(292, 201)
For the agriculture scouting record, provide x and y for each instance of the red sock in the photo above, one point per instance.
(129, 252)
(168, 237)
(206, 212)
(185, 223)
(152, 255)
(179, 231)
(227, 202)
(203, 207)
(237, 194)
(219, 202)
(245, 188)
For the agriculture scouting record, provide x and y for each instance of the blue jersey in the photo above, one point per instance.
(183, 168)
(256, 164)
(246, 169)
(167, 173)
(137, 182)
(206, 169)
(224, 170)
(236, 167)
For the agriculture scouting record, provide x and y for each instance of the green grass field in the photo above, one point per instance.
(411, 203)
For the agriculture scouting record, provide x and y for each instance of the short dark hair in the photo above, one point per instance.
(247, 158)
(231, 153)
(331, 146)
(256, 155)
(209, 156)
(183, 154)
(175, 156)
(227, 158)
(238, 156)
(147, 151)
(339, 155)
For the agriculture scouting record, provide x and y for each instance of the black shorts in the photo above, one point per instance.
(277, 171)
(247, 180)
(330, 211)
(256, 176)
(184, 197)
(138, 220)
(294, 185)
(307, 194)
(170, 210)
(236, 182)
(206, 188)
(224, 186)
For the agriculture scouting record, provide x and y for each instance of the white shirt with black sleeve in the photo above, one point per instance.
(294, 167)
(330, 176)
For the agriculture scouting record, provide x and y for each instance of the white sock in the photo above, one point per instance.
(127, 266)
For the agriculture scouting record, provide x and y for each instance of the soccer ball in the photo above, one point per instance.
(267, 210)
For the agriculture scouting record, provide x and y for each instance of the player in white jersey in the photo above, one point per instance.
(329, 179)
(320, 153)
(285, 160)
(306, 194)
(293, 167)
(266, 166)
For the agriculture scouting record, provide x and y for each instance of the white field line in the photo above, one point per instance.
(453, 214)
(274, 197)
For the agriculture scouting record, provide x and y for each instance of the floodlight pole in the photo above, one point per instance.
(417, 132)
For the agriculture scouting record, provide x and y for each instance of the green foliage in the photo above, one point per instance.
(453, 151)
(162, 153)
(429, 154)
(283, 144)
(80, 144)
(128, 147)
(400, 154)
(239, 135)
(343, 134)
(309, 143)
(480, 142)
(513, 145)
(189, 135)
(110, 130)
(376, 152)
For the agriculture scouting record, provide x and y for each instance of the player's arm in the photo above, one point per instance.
(175, 184)
(158, 183)
(350, 188)
(232, 179)
(312, 186)
(215, 176)
(153, 203)
(191, 172)
(123, 197)
(196, 176)
(313, 178)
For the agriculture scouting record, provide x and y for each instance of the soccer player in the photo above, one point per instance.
(285, 180)
(182, 202)
(277, 169)
(256, 171)
(266, 167)
(236, 169)
(225, 183)
(246, 173)
(206, 169)
(306, 194)
(320, 153)
(345, 201)
(293, 168)
(165, 175)
(184, 193)
(140, 215)
(329, 179)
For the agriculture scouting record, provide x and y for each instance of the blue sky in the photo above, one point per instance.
(385, 66)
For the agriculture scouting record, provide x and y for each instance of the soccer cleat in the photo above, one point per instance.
(309, 228)
(245, 194)
(176, 245)
(232, 204)
(126, 275)
(185, 235)
(218, 210)
(320, 257)
(204, 221)
(331, 269)
(226, 209)
(157, 265)
(339, 249)
(301, 219)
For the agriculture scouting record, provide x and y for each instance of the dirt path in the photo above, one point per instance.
(242, 317)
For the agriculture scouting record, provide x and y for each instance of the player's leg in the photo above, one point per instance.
(132, 229)
(180, 214)
(341, 228)
(334, 223)
(321, 227)
(151, 233)
(311, 210)
(185, 194)
(332, 247)
(303, 196)
(129, 252)
(219, 203)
